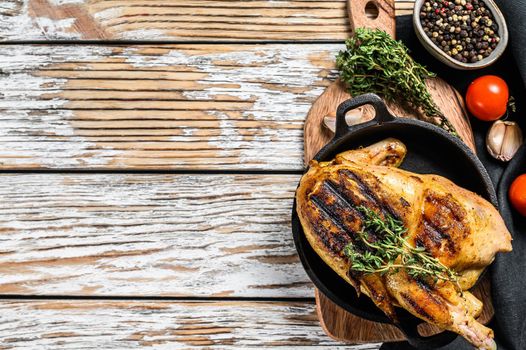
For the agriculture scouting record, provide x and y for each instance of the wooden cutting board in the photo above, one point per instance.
(445, 96)
(336, 322)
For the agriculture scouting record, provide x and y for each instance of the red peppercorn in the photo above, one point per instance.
(437, 11)
(469, 7)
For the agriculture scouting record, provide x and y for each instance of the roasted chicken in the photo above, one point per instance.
(456, 226)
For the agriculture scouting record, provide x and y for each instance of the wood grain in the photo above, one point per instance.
(75, 324)
(373, 15)
(234, 20)
(149, 235)
(336, 323)
(315, 135)
(159, 106)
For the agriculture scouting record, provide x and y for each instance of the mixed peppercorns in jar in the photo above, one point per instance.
(464, 29)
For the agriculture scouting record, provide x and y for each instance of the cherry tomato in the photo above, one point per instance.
(487, 97)
(517, 194)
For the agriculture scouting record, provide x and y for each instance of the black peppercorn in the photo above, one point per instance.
(463, 29)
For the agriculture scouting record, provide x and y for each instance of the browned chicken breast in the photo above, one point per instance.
(456, 226)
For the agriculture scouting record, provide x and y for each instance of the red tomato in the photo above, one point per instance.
(487, 97)
(517, 194)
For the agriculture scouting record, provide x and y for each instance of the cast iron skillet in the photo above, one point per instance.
(430, 150)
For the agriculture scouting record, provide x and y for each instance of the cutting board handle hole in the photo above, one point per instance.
(371, 10)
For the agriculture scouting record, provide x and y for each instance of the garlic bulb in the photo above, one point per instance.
(503, 140)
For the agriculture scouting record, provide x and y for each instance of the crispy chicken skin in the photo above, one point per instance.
(457, 226)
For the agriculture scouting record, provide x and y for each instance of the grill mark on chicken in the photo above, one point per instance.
(404, 202)
(437, 242)
(355, 277)
(345, 193)
(443, 224)
(334, 241)
(444, 212)
(415, 306)
(437, 239)
(367, 192)
(416, 178)
(340, 212)
(423, 284)
(391, 160)
(337, 190)
(337, 208)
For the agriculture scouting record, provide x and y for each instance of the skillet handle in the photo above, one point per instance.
(420, 342)
(382, 114)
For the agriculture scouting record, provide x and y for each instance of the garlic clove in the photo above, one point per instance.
(354, 116)
(330, 123)
(503, 140)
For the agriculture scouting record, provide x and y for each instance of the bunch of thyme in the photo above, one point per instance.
(381, 255)
(375, 62)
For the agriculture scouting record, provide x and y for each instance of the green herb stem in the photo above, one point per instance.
(375, 62)
(384, 254)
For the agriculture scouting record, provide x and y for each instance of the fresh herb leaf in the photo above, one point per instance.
(375, 62)
(391, 252)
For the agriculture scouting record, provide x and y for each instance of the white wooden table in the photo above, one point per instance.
(149, 151)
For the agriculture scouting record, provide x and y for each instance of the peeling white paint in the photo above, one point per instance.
(188, 132)
(256, 68)
(66, 2)
(277, 82)
(108, 14)
(57, 28)
(16, 24)
(39, 129)
(147, 34)
(164, 325)
(192, 235)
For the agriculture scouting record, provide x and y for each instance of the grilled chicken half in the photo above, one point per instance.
(456, 226)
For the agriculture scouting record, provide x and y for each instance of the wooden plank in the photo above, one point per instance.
(177, 19)
(159, 106)
(53, 324)
(149, 235)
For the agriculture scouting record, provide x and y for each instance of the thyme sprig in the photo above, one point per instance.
(390, 251)
(375, 62)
